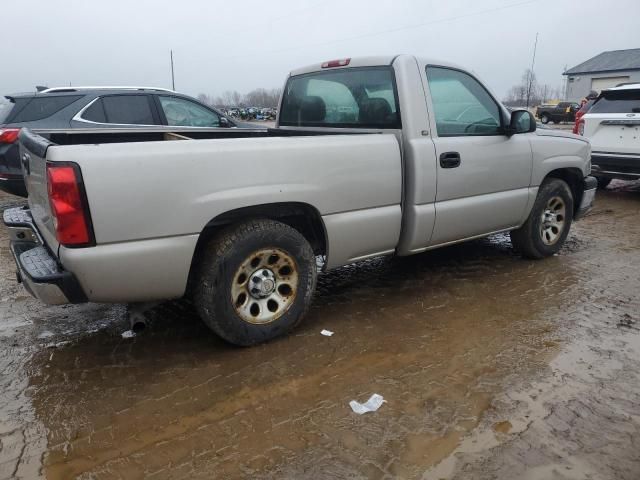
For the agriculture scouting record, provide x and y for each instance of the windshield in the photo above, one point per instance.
(352, 98)
(617, 101)
(6, 106)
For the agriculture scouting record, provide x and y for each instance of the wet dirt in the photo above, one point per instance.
(492, 367)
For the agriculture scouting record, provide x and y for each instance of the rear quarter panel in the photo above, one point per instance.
(154, 191)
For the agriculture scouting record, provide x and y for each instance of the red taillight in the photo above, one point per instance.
(68, 205)
(9, 135)
(336, 63)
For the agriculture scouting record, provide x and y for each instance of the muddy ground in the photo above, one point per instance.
(492, 367)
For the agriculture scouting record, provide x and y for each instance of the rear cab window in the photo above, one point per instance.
(31, 109)
(356, 97)
(617, 101)
(121, 110)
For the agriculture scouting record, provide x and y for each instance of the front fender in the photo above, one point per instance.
(554, 152)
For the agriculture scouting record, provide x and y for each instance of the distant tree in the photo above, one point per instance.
(204, 98)
(528, 86)
(236, 99)
(259, 97)
(531, 86)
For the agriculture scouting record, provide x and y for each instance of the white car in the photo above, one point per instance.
(613, 127)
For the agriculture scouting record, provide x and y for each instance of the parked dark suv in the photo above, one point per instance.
(94, 107)
(562, 112)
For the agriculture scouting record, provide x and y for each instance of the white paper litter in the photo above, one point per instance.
(326, 333)
(128, 334)
(371, 405)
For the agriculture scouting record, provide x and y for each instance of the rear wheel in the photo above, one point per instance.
(547, 227)
(255, 281)
(544, 119)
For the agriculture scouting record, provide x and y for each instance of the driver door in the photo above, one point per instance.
(483, 176)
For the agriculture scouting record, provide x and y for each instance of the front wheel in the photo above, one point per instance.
(255, 281)
(544, 119)
(547, 227)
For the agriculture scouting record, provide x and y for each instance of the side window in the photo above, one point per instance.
(41, 107)
(185, 113)
(95, 112)
(125, 110)
(461, 105)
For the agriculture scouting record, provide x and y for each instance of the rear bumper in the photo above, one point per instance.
(588, 195)
(37, 268)
(615, 165)
(11, 180)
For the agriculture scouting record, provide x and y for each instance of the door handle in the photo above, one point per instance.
(450, 160)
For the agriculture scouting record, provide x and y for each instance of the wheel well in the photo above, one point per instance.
(574, 178)
(301, 216)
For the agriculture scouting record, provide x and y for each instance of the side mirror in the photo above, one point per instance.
(522, 121)
(224, 122)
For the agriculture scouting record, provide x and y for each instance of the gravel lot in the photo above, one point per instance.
(492, 367)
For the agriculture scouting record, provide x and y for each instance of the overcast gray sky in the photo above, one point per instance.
(241, 45)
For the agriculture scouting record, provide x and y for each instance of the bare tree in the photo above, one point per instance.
(260, 97)
(237, 99)
(529, 89)
(204, 98)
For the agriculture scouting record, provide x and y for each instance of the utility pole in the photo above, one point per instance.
(533, 62)
(173, 78)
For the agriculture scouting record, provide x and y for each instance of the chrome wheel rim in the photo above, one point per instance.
(264, 286)
(553, 220)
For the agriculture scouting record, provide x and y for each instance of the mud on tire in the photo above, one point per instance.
(254, 281)
(541, 235)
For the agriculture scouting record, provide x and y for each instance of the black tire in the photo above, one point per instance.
(603, 182)
(218, 268)
(544, 118)
(528, 239)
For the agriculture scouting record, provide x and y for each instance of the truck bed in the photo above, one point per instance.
(113, 135)
(150, 196)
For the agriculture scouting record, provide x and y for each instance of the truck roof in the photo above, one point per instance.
(372, 61)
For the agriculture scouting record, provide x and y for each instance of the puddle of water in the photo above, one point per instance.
(456, 341)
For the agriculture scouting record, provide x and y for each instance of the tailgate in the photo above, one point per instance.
(33, 154)
(613, 132)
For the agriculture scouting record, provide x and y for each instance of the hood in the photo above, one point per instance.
(552, 132)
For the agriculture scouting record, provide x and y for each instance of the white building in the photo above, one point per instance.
(603, 71)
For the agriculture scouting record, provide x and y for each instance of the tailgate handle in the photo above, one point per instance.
(25, 163)
(450, 160)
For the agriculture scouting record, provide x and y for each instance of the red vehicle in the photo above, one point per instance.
(578, 124)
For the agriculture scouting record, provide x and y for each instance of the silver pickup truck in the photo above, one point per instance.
(371, 156)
